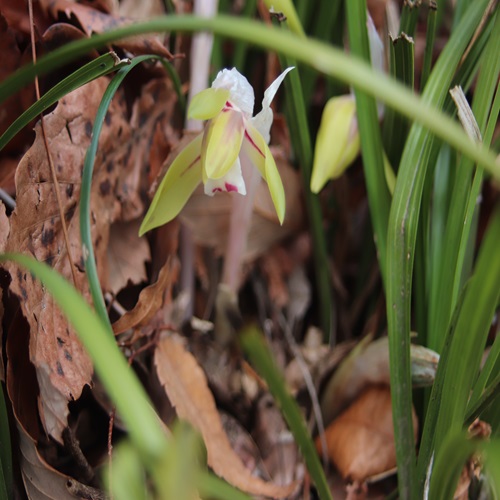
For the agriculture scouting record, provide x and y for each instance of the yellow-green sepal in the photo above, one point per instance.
(176, 187)
(257, 150)
(222, 143)
(207, 103)
(335, 147)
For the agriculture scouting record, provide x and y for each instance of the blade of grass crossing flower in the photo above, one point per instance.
(369, 132)
(113, 370)
(326, 59)
(92, 70)
(254, 346)
(241, 48)
(402, 231)
(324, 21)
(88, 168)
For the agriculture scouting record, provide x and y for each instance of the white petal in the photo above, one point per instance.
(264, 119)
(231, 182)
(376, 46)
(241, 92)
(376, 55)
(273, 88)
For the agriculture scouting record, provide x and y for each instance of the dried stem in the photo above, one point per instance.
(49, 157)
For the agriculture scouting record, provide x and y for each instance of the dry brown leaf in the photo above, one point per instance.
(63, 367)
(278, 448)
(208, 217)
(127, 255)
(4, 227)
(142, 10)
(95, 21)
(368, 363)
(186, 387)
(150, 300)
(42, 481)
(12, 107)
(361, 440)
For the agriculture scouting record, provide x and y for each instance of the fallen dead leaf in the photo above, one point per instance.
(63, 367)
(361, 440)
(42, 481)
(186, 386)
(127, 255)
(278, 448)
(95, 21)
(150, 300)
(11, 108)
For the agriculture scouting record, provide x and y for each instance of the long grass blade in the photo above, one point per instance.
(260, 357)
(328, 60)
(92, 70)
(369, 131)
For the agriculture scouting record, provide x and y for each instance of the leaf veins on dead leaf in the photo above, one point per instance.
(186, 387)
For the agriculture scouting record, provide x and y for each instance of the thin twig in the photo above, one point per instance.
(49, 157)
(306, 375)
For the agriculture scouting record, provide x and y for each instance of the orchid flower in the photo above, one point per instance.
(337, 143)
(231, 137)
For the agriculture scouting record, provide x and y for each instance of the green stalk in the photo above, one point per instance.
(403, 224)
(88, 168)
(369, 131)
(299, 130)
(327, 60)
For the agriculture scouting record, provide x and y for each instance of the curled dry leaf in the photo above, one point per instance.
(95, 21)
(361, 440)
(186, 387)
(368, 363)
(42, 482)
(150, 299)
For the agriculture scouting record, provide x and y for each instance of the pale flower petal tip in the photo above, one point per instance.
(264, 119)
(240, 91)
